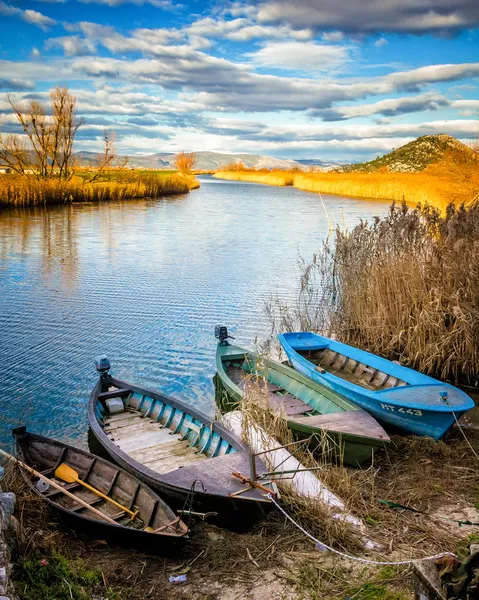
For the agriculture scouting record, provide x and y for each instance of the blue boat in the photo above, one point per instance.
(398, 396)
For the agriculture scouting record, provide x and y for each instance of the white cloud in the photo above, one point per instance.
(301, 56)
(29, 16)
(333, 36)
(381, 42)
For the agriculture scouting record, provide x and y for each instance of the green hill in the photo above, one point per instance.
(416, 156)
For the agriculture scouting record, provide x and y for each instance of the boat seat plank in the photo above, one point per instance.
(119, 393)
(216, 475)
(357, 422)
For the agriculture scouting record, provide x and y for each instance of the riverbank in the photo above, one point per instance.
(435, 187)
(28, 190)
(274, 560)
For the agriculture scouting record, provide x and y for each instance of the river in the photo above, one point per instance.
(145, 282)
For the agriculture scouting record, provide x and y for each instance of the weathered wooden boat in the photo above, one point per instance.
(398, 396)
(177, 450)
(337, 425)
(156, 528)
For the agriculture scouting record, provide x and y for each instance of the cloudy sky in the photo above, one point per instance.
(324, 79)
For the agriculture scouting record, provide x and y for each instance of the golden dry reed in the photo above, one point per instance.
(28, 190)
(449, 180)
(405, 287)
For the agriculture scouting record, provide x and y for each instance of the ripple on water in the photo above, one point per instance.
(145, 282)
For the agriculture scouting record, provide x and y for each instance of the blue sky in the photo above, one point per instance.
(319, 79)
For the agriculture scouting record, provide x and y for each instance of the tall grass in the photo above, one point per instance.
(446, 181)
(279, 178)
(405, 287)
(30, 191)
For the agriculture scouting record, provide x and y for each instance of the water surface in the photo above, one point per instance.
(145, 282)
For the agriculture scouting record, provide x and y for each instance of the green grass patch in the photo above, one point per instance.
(59, 578)
(316, 581)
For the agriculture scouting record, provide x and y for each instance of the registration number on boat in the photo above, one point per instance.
(408, 411)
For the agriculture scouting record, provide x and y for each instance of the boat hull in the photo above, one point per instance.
(126, 537)
(413, 408)
(188, 489)
(353, 449)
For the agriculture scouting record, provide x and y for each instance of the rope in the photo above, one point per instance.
(324, 547)
(461, 429)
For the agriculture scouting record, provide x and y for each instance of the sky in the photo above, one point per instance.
(328, 80)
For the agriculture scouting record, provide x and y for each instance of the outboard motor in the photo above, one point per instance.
(102, 365)
(221, 334)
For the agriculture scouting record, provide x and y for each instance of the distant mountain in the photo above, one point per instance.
(416, 156)
(322, 164)
(208, 161)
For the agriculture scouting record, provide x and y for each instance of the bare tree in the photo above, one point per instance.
(65, 125)
(107, 157)
(185, 162)
(49, 136)
(14, 153)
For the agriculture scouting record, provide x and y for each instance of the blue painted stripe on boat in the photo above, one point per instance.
(170, 418)
(161, 413)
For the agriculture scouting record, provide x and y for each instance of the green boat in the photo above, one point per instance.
(351, 434)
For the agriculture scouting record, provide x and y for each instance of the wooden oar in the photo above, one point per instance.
(68, 474)
(58, 487)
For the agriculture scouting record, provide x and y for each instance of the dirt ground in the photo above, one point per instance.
(275, 560)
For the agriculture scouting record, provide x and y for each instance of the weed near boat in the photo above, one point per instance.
(404, 287)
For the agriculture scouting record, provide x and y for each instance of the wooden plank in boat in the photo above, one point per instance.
(140, 430)
(119, 393)
(129, 427)
(143, 441)
(170, 463)
(357, 422)
(120, 417)
(157, 451)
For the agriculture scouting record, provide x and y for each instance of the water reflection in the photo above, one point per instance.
(144, 282)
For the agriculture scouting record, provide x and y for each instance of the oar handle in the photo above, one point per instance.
(102, 495)
(58, 487)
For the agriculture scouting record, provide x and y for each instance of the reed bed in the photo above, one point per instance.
(279, 178)
(411, 187)
(440, 184)
(404, 287)
(31, 191)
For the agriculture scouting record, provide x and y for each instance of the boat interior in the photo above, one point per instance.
(276, 398)
(156, 434)
(45, 457)
(351, 370)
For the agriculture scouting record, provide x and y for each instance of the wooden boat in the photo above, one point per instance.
(396, 395)
(178, 451)
(166, 532)
(349, 433)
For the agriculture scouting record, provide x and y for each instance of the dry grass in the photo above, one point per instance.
(30, 191)
(278, 178)
(448, 181)
(404, 287)
(417, 472)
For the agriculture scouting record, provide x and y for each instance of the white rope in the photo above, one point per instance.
(324, 547)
